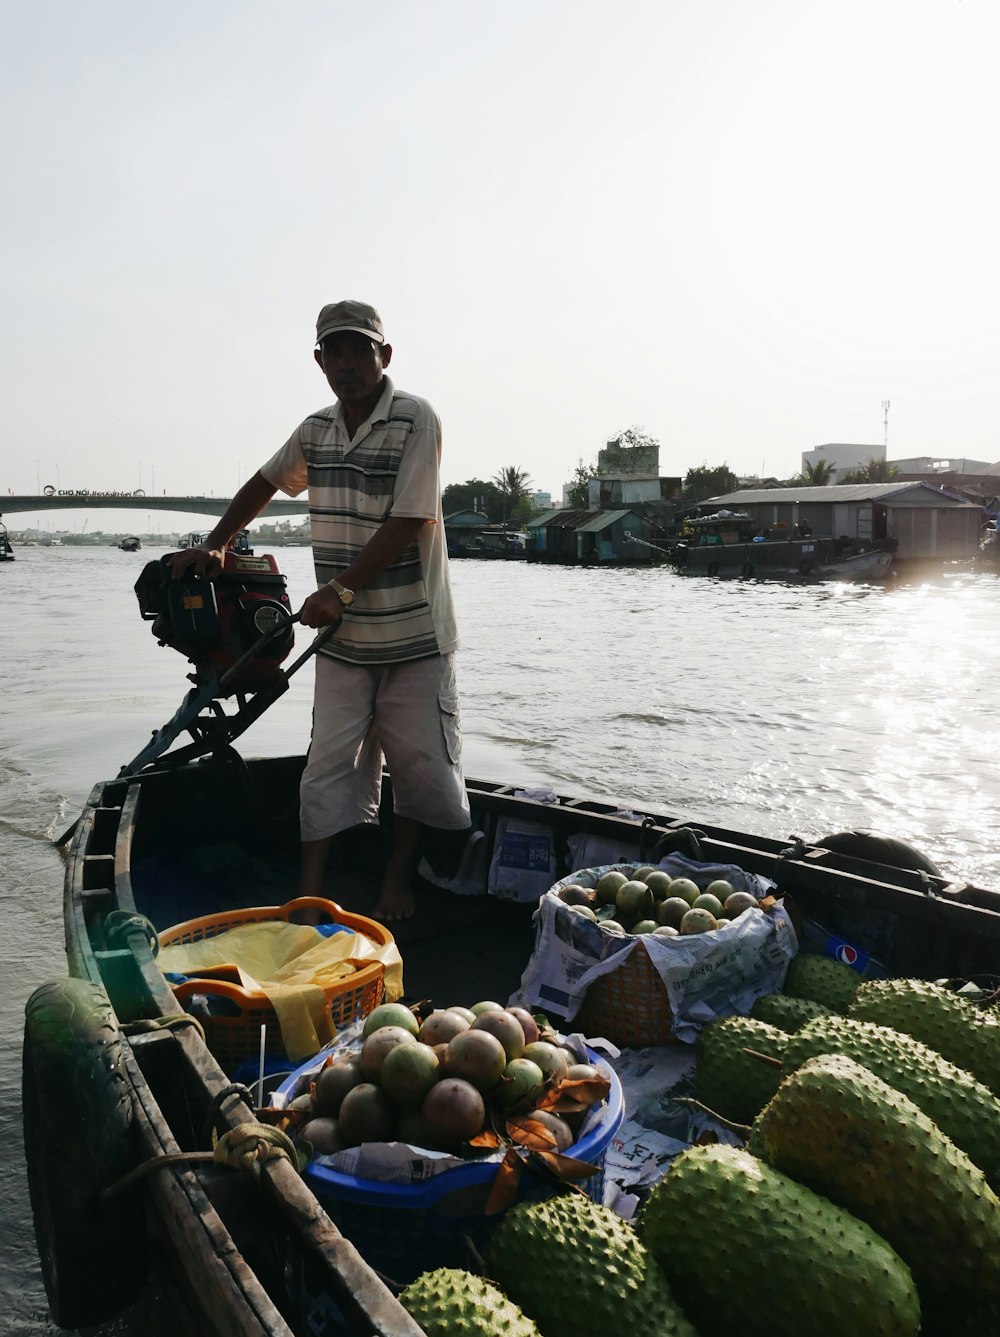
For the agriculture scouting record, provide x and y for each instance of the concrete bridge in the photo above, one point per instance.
(67, 500)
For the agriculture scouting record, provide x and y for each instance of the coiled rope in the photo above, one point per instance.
(241, 1148)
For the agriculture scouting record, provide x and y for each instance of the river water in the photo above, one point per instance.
(768, 707)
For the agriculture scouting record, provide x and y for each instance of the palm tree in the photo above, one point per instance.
(819, 474)
(875, 471)
(514, 485)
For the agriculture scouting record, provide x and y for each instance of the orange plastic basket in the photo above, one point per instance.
(233, 1038)
(628, 1005)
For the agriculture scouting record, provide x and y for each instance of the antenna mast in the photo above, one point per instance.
(885, 410)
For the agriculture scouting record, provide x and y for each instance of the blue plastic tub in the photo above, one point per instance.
(405, 1229)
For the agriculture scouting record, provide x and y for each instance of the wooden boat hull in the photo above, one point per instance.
(786, 559)
(234, 1248)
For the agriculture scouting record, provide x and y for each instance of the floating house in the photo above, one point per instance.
(573, 536)
(926, 523)
(463, 532)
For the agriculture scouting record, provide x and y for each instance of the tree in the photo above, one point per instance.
(704, 482)
(577, 494)
(514, 486)
(634, 437)
(874, 471)
(474, 495)
(814, 474)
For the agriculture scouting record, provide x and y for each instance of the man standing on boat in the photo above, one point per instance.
(385, 680)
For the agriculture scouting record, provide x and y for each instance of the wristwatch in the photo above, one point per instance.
(345, 595)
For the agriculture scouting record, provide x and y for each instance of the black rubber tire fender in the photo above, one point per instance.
(77, 1112)
(713, 568)
(747, 570)
(879, 849)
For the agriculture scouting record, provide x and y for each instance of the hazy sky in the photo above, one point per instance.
(737, 224)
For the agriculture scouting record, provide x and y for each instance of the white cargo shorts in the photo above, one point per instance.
(403, 714)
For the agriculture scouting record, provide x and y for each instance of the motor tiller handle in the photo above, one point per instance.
(288, 619)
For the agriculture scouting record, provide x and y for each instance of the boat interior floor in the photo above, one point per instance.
(475, 946)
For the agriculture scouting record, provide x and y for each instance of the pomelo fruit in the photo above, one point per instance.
(486, 1006)
(607, 887)
(528, 1023)
(575, 895)
(366, 1115)
(323, 1135)
(553, 1061)
(390, 1014)
(507, 1029)
(465, 1012)
(698, 921)
(378, 1044)
(552, 1123)
(738, 902)
(640, 874)
(644, 926)
(441, 1026)
(521, 1080)
(671, 911)
(582, 1072)
(409, 1072)
(452, 1112)
(477, 1057)
(684, 887)
(410, 1127)
(721, 888)
(334, 1082)
(633, 900)
(659, 883)
(706, 901)
(666, 931)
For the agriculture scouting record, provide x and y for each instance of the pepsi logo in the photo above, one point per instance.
(847, 954)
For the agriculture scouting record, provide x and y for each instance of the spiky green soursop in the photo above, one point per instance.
(730, 1081)
(791, 1262)
(451, 1303)
(939, 1018)
(965, 1110)
(821, 980)
(911, 1184)
(788, 1014)
(575, 1268)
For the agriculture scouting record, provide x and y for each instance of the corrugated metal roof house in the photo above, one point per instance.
(927, 523)
(463, 531)
(589, 536)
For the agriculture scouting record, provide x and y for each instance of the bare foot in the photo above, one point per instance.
(395, 902)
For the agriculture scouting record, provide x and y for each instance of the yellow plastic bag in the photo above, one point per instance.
(291, 964)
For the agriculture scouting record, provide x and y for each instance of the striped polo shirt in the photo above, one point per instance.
(391, 467)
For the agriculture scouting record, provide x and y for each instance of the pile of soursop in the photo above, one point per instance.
(862, 1202)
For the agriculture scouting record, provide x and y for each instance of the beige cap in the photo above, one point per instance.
(357, 317)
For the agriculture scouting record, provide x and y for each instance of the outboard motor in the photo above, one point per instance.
(216, 622)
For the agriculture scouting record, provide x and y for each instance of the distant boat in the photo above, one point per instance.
(6, 549)
(240, 544)
(130, 543)
(723, 545)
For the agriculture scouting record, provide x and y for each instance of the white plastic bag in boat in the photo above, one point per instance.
(588, 850)
(524, 854)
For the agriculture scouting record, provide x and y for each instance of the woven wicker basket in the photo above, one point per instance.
(628, 1006)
